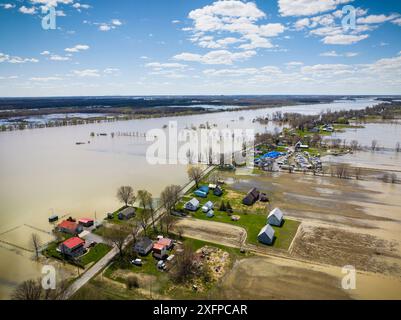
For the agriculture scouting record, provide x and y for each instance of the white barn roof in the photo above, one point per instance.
(277, 213)
(194, 202)
(268, 230)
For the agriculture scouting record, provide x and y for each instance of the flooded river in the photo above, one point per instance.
(43, 171)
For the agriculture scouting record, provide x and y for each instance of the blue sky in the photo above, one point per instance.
(176, 47)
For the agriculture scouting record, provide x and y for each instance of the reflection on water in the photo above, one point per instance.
(44, 171)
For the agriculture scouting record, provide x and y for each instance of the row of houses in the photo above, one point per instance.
(266, 234)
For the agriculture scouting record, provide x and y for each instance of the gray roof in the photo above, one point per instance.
(127, 211)
(277, 213)
(268, 230)
(144, 243)
(194, 202)
(209, 204)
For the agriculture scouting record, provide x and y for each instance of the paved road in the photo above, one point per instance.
(102, 263)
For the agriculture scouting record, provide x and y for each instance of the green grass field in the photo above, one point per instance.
(95, 254)
(252, 218)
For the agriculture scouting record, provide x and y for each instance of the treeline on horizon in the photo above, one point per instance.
(156, 101)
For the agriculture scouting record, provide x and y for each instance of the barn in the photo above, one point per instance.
(266, 235)
(275, 218)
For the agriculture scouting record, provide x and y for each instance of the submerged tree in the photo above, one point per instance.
(36, 244)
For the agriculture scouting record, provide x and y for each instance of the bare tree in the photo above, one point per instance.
(393, 178)
(146, 202)
(195, 174)
(373, 146)
(28, 290)
(185, 266)
(398, 147)
(354, 145)
(358, 173)
(169, 197)
(126, 195)
(168, 221)
(33, 290)
(116, 236)
(144, 217)
(135, 226)
(36, 244)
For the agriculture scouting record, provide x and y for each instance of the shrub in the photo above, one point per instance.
(132, 282)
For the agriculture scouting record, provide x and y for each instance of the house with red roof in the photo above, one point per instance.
(160, 250)
(69, 227)
(73, 247)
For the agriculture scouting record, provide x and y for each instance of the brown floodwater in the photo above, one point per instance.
(43, 171)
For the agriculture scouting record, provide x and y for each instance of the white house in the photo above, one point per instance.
(207, 206)
(266, 235)
(192, 205)
(275, 218)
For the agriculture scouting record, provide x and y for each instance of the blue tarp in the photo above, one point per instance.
(200, 193)
(204, 189)
(272, 155)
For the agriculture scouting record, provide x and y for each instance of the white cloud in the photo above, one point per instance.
(45, 53)
(93, 73)
(16, 59)
(397, 21)
(113, 71)
(80, 6)
(308, 7)
(25, 10)
(344, 39)
(77, 48)
(236, 18)
(336, 54)
(158, 65)
(373, 19)
(116, 22)
(45, 79)
(107, 26)
(216, 57)
(7, 6)
(56, 57)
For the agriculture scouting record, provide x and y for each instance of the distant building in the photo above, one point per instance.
(266, 235)
(192, 205)
(69, 227)
(300, 146)
(143, 246)
(126, 213)
(275, 217)
(251, 197)
(73, 247)
(86, 222)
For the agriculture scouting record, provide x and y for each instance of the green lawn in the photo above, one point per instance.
(253, 223)
(253, 218)
(95, 254)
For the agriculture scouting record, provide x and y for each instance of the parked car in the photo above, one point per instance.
(137, 262)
